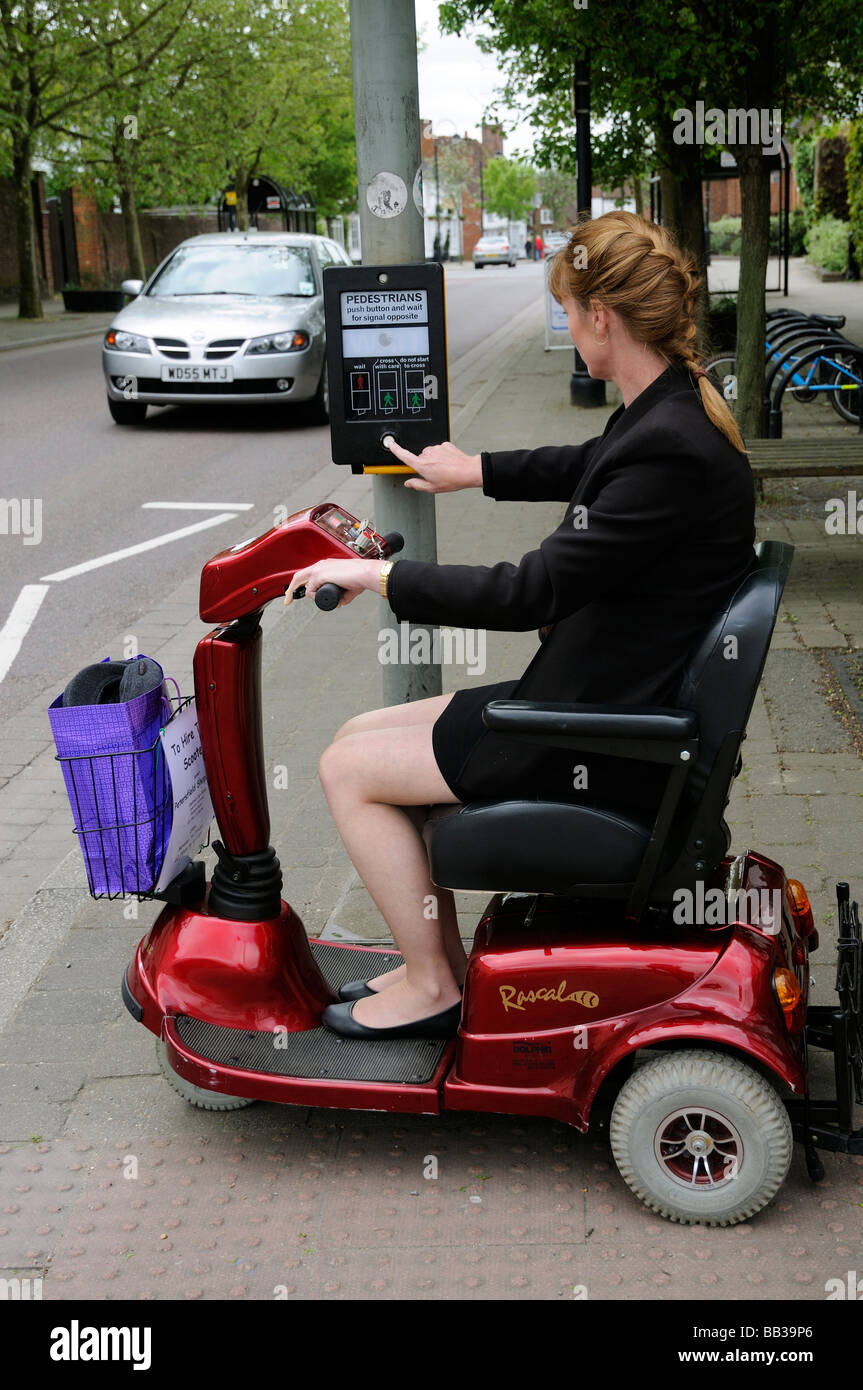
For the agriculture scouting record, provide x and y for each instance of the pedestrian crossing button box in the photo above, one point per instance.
(386, 362)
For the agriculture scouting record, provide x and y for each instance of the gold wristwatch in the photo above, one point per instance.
(385, 574)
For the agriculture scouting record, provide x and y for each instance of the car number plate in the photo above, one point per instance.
(182, 372)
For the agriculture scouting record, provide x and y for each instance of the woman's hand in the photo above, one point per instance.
(443, 468)
(351, 575)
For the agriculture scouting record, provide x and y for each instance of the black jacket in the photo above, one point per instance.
(658, 532)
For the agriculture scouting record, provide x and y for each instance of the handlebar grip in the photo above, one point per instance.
(395, 542)
(329, 596)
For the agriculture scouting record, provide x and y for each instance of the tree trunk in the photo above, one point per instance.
(638, 194)
(683, 212)
(691, 235)
(241, 184)
(755, 244)
(29, 289)
(131, 227)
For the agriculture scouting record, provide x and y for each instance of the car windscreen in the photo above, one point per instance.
(237, 268)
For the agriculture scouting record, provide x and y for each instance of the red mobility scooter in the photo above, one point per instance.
(644, 959)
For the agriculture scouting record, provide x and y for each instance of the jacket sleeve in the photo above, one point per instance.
(550, 474)
(645, 507)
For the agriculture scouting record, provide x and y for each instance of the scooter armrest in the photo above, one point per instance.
(648, 732)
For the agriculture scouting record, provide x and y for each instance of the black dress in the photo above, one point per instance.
(658, 533)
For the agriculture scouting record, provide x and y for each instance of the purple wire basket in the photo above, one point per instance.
(122, 806)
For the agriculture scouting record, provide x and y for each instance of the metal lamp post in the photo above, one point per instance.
(583, 389)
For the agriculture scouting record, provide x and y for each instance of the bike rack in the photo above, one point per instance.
(774, 407)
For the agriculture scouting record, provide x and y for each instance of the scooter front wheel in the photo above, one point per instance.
(701, 1138)
(196, 1095)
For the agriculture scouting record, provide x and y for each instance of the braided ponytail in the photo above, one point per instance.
(636, 268)
(714, 405)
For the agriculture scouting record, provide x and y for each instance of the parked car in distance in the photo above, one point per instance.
(234, 317)
(555, 241)
(494, 250)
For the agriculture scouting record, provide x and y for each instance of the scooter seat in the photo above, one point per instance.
(535, 847)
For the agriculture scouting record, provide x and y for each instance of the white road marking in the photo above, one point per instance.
(19, 622)
(138, 549)
(199, 506)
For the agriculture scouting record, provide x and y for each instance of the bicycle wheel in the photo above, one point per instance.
(845, 396)
(804, 394)
(722, 373)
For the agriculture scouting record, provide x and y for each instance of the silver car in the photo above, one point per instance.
(494, 250)
(235, 317)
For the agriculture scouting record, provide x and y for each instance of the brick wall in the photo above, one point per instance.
(725, 197)
(8, 247)
(477, 154)
(92, 269)
(8, 252)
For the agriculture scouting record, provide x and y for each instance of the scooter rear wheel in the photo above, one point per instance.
(196, 1095)
(701, 1138)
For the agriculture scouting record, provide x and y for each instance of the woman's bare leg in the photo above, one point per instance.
(402, 716)
(396, 716)
(370, 779)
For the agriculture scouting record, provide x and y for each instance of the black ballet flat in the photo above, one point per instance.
(356, 989)
(339, 1018)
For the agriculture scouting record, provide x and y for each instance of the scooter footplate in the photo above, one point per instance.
(338, 966)
(315, 1053)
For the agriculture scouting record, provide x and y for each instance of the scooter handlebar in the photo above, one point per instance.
(329, 596)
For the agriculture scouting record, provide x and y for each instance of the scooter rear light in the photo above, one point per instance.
(789, 995)
(802, 909)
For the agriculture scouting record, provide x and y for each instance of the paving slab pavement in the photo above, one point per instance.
(335, 1204)
(57, 326)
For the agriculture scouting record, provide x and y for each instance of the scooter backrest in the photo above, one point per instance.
(722, 672)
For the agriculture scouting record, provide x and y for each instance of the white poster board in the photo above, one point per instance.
(556, 325)
(190, 795)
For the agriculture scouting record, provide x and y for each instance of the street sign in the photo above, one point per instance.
(386, 362)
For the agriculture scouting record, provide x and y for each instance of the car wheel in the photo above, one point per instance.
(319, 405)
(478, 265)
(701, 1138)
(127, 412)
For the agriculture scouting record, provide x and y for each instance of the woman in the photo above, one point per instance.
(658, 532)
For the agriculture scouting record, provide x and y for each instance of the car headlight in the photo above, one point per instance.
(122, 341)
(279, 342)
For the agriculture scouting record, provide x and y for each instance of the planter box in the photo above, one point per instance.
(93, 301)
(829, 274)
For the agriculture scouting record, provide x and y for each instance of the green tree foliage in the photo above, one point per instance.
(284, 105)
(827, 243)
(650, 60)
(50, 70)
(163, 101)
(127, 129)
(804, 174)
(508, 187)
(558, 188)
(854, 175)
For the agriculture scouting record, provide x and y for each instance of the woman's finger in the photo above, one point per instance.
(300, 578)
(404, 454)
